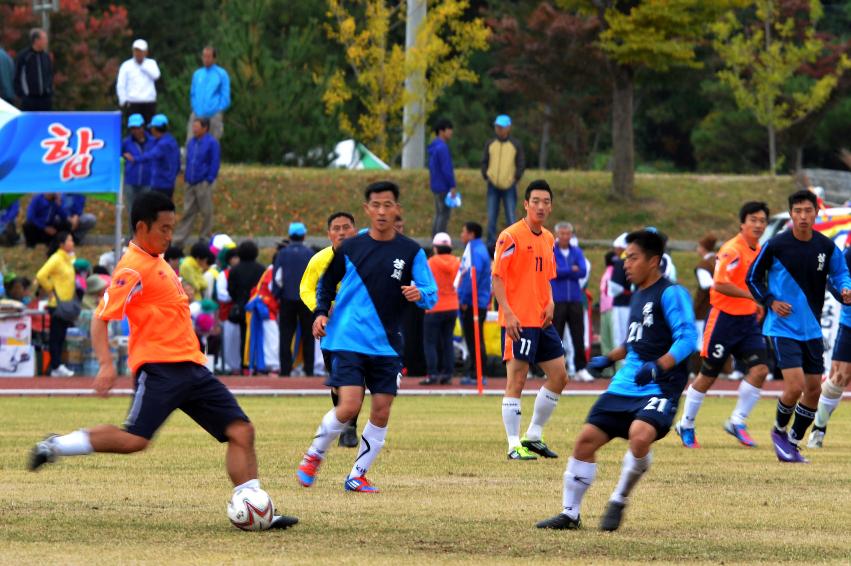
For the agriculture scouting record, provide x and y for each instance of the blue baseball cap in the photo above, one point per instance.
(158, 120)
(503, 121)
(135, 121)
(297, 229)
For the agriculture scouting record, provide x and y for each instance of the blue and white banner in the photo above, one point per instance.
(66, 152)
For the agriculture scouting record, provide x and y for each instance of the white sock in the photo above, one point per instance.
(74, 443)
(831, 395)
(329, 429)
(694, 399)
(371, 443)
(577, 479)
(748, 396)
(545, 404)
(250, 484)
(511, 419)
(633, 469)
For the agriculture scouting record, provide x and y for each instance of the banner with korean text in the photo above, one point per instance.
(66, 152)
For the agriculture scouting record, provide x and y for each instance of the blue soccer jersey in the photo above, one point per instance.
(369, 306)
(796, 272)
(661, 321)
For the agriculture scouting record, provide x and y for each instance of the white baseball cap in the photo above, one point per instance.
(442, 239)
(140, 44)
(620, 241)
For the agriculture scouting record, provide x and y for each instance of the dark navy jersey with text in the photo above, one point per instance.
(796, 272)
(369, 306)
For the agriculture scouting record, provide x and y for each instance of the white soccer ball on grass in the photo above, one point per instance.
(251, 509)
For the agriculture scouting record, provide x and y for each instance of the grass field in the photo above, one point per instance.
(449, 495)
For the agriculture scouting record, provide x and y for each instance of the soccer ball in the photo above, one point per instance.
(251, 509)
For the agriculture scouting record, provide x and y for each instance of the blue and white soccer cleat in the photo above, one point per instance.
(361, 485)
(687, 436)
(740, 431)
(306, 472)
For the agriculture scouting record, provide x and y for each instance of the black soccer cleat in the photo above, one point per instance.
(42, 453)
(612, 518)
(539, 447)
(560, 522)
(349, 437)
(283, 522)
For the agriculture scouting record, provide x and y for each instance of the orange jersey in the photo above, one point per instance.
(148, 291)
(525, 262)
(734, 260)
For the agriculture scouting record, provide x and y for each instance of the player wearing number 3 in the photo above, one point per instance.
(523, 267)
(642, 399)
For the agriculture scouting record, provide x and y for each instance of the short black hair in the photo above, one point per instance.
(443, 249)
(172, 252)
(801, 196)
(650, 242)
(609, 258)
(296, 237)
(163, 128)
(247, 251)
(475, 228)
(538, 185)
(442, 124)
(100, 270)
(753, 207)
(147, 207)
(199, 250)
(35, 34)
(381, 187)
(212, 50)
(205, 122)
(228, 255)
(340, 214)
(57, 242)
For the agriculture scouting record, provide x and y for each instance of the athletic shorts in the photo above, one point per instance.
(842, 345)
(805, 354)
(379, 374)
(536, 345)
(160, 389)
(736, 335)
(613, 414)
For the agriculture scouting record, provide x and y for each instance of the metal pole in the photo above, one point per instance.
(119, 209)
(413, 131)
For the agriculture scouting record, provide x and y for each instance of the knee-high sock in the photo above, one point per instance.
(831, 395)
(511, 419)
(803, 419)
(371, 443)
(75, 443)
(545, 404)
(748, 396)
(329, 429)
(694, 399)
(632, 470)
(783, 416)
(577, 479)
(252, 484)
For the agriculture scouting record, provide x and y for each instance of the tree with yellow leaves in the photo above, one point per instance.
(370, 97)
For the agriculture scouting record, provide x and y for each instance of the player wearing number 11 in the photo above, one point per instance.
(642, 399)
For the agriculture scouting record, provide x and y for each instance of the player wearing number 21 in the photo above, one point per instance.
(642, 399)
(523, 267)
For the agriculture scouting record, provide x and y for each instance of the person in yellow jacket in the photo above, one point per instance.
(503, 165)
(192, 268)
(341, 225)
(56, 278)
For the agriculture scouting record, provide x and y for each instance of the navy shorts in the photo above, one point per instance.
(805, 354)
(842, 345)
(536, 345)
(736, 335)
(613, 414)
(379, 374)
(163, 388)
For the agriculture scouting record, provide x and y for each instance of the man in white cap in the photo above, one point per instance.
(135, 87)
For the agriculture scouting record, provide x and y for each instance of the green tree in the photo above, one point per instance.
(763, 62)
(635, 35)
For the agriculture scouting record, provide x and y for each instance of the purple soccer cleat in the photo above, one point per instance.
(785, 450)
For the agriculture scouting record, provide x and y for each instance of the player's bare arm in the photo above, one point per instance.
(512, 323)
(105, 379)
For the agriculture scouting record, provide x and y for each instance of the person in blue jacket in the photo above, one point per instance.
(8, 230)
(163, 157)
(209, 94)
(137, 176)
(475, 255)
(441, 174)
(571, 268)
(81, 222)
(202, 169)
(45, 219)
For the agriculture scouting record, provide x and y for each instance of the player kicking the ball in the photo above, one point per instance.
(733, 328)
(165, 357)
(641, 400)
(523, 266)
(789, 278)
(380, 273)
